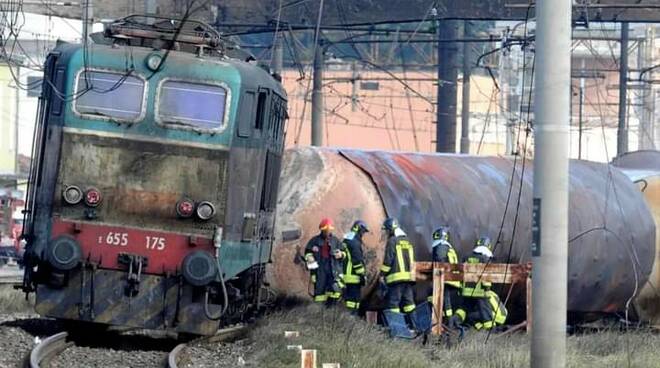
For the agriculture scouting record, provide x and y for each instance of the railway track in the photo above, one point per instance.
(225, 335)
(49, 348)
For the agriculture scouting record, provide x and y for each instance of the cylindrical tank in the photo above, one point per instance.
(611, 234)
(643, 168)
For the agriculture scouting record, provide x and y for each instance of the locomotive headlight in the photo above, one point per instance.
(72, 194)
(205, 210)
(153, 62)
(92, 197)
(185, 208)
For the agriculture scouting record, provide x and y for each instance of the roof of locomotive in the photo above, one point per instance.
(176, 63)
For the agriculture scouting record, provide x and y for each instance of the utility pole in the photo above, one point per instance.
(150, 6)
(646, 133)
(354, 86)
(317, 97)
(550, 205)
(580, 112)
(467, 71)
(87, 19)
(445, 135)
(17, 114)
(276, 62)
(507, 99)
(622, 132)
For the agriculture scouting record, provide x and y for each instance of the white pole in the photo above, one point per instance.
(550, 241)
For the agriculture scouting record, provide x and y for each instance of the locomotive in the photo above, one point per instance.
(153, 189)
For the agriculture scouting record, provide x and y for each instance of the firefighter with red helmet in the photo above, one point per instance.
(324, 256)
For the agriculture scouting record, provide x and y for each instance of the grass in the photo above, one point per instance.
(342, 338)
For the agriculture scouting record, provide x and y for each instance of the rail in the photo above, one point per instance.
(497, 273)
(48, 348)
(225, 334)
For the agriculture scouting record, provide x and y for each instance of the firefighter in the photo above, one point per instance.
(397, 268)
(324, 255)
(354, 277)
(443, 251)
(492, 315)
(475, 298)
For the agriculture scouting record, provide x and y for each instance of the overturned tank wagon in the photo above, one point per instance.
(643, 168)
(611, 231)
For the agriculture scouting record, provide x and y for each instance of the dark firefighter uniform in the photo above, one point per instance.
(444, 252)
(324, 249)
(475, 297)
(397, 269)
(354, 277)
(494, 314)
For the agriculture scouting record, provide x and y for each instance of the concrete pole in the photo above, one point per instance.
(550, 216)
(354, 86)
(580, 113)
(276, 62)
(445, 135)
(150, 7)
(622, 132)
(17, 120)
(317, 98)
(465, 103)
(647, 113)
(87, 19)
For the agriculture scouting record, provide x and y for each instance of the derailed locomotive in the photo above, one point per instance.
(153, 192)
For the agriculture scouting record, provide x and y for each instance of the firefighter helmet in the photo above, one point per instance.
(485, 242)
(390, 224)
(441, 233)
(326, 224)
(360, 226)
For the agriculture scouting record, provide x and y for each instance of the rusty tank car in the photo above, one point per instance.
(643, 168)
(611, 235)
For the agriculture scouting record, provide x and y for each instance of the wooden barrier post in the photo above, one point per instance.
(529, 305)
(307, 358)
(438, 299)
(372, 317)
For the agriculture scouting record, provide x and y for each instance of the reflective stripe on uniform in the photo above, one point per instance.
(385, 268)
(395, 310)
(408, 308)
(351, 279)
(320, 298)
(453, 259)
(333, 294)
(448, 313)
(461, 314)
(352, 305)
(499, 311)
(474, 291)
(398, 276)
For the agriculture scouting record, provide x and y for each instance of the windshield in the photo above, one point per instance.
(107, 94)
(192, 104)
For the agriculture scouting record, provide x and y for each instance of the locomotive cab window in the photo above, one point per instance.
(191, 105)
(260, 116)
(109, 95)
